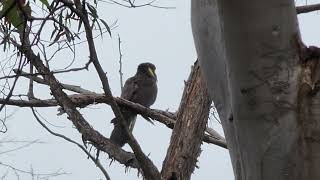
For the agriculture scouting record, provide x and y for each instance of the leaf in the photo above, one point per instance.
(56, 39)
(53, 32)
(11, 12)
(79, 26)
(68, 36)
(107, 26)
(60, 18)
(45, 2)
(92, 10)
(5, 46)
(66, 18)
(100, 29)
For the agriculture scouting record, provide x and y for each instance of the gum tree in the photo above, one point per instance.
(264, 83)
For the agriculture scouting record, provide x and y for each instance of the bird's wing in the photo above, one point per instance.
(129, 89)
(129, 92)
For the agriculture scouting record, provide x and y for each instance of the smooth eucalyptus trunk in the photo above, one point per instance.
(251, 65)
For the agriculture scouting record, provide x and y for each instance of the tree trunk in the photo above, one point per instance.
(260, 88)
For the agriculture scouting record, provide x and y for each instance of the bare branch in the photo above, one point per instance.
(307, 8)
(13, 86)
(83, 100)
(150, 171)
(96, 161)
(58, 173)
(120, 62)
(73, 88)
(20, 147)
(53, 72)
(98, 140)
(132, 4)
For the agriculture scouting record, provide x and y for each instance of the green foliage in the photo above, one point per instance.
(65, 24)
(45, 2)
(11, 12)
(94, 15)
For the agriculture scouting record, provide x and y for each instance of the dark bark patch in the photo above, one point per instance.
(244, 91)
(238, 170)
(230, 117)
(173, 176)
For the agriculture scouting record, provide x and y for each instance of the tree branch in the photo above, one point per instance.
(83, 100)
(307, 8)
(96, 161)
(150, 171)
(189, 130)
(90, 134)
(39, 80)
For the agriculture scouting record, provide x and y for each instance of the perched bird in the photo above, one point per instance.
(142, 89)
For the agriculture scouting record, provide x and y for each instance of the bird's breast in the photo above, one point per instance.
(146, 93)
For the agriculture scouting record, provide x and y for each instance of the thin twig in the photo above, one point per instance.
(69, 87)
(96, 161)
(120, 63)
(20, 147)
(13, 86)
(28, 172)
(23, 36)
(131, 4)
(52, 72)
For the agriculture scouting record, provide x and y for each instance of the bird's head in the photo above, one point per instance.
(147, 69)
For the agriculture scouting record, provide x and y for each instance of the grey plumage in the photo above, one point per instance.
(142, 89)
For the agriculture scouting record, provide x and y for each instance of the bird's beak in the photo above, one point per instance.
(151, 73)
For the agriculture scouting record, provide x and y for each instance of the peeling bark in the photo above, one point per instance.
(189, 129)
(308, 111)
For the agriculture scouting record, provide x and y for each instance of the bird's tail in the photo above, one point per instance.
(118, 135)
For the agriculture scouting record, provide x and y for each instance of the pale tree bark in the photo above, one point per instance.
(188, 124)
(260, 87)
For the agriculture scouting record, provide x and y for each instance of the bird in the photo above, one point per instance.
(140, 88)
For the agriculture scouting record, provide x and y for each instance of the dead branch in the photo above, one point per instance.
(189, 129)
(120, 62)
(83, 100)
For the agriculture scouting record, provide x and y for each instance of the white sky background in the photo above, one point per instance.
(160, 36)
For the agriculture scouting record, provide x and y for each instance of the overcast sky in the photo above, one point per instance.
(160, 36)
